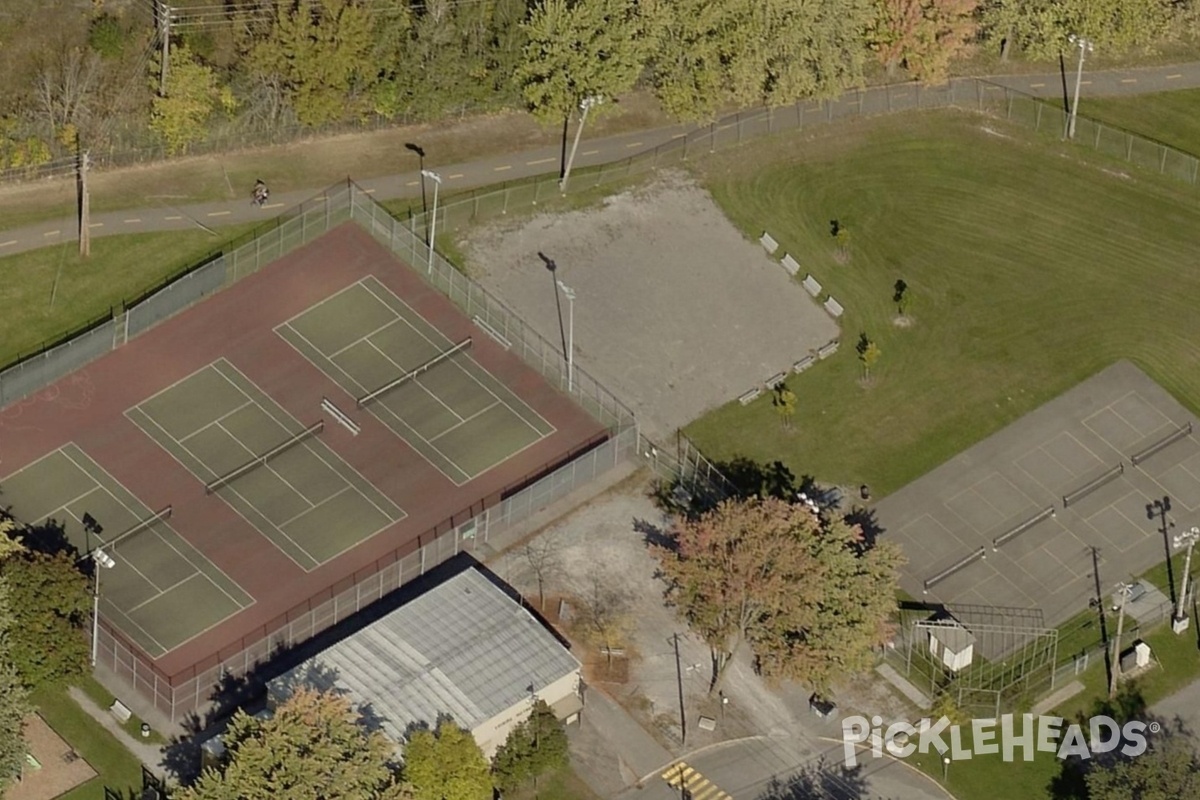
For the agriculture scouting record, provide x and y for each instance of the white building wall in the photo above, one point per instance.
(491, 734)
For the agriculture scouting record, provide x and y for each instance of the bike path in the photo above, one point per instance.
(541, 161)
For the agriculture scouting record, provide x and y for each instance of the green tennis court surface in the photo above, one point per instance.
(303, 497)
(446, 406)
(161, 591)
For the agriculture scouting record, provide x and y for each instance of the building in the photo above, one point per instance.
(462, 649)
(952, 645)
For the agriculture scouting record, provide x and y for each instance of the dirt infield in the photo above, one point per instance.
(676, 312)
(61, 768)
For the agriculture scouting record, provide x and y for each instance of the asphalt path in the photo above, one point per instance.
(785, 768)
(542, 161)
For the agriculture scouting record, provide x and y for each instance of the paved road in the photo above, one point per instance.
(783, 768)
(492, 170)
(1184, 704)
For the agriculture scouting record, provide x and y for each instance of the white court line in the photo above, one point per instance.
(307, 447)
(208, 425)
(358, 341)
(267, 465)
(417, 381)
(464, 421)
(463, 369)
(311, 506)
(161, 592)
(318, 304)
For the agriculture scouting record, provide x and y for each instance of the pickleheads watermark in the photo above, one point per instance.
(1006, 736)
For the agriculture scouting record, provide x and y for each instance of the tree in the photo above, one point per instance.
(868, 354)
(192, 95)
(533, 748)
(1040, 27)
(311, 748)
(785, 405)
(51, 603)
(779, 51)
(899, 296)
(579, 54)
(688, 61)
(317, 54)
(604, 619)
(923, 35)
(841, 236)
(807, 593)
(1169, 770)
(446, 765)
(14, 697)
(544, 555)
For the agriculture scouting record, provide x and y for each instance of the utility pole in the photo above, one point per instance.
(679, 682)
(585, 105)
(570, 295)
(1124, 590)
(1085, 47)
(85, 238)
(164, 24)
(1187, 539)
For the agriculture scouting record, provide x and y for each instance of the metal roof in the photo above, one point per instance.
(463, 648)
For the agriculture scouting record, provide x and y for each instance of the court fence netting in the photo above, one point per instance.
(467, 530)
(682, 468)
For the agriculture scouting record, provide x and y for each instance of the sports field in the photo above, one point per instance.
(230, 481)
(1030, 266)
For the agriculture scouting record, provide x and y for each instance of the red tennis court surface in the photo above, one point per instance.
(152, 424)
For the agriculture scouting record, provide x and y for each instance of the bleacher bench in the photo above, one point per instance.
(811, 285)
(834, 308)
(769, 244)
(827, 350)
(803, 364)
(750, 396)
(790, 265)
(120, 711)
(775, 381)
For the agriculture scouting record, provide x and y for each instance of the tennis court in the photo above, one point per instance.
(273, 470)
(161, 591)
(418, 382)
(1025, 518)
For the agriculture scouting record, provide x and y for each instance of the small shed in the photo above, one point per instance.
(952, 644)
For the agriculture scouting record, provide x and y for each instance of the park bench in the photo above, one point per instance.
(834, 308)
(120, 711)
(803, 364)
(750, 396)
(827, 350)
(790, 265)
(811, 285)
(769, 244)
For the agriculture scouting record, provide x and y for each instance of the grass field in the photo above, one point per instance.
(1169, 117)
(116, 767)
(1030, 264)
(49, 291)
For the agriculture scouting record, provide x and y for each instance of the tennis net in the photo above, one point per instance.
(413, 373)
(258, 461)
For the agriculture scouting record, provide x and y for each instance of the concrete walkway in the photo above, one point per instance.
(150, 755)
(512, 166)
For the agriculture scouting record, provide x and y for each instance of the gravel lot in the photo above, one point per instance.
(677, 312)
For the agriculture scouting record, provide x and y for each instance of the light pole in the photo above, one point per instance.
(945, 768)
(1085, 47)
(585, 105)
(99, 559)
(569, 293)
(1186, 539)
(437, 182)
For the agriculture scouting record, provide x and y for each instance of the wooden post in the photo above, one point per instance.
(85, 239)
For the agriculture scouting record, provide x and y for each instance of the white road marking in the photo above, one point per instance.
(1036, 85)
(634, 144)
(539, 161)
(269, 205)
(9, 243)
(590, 152)
(501, 169)
(1173, 77)
(131, 221)
(177, 216)
(412, 183)
(51, 233)
(219, 213)
(96, 225)
(455, 175)
(1128, 80)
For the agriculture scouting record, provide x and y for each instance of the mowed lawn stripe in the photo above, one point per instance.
(1030, 266)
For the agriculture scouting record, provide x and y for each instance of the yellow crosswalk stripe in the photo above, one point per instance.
(697, 782)
(698, 787)
(710, 792)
